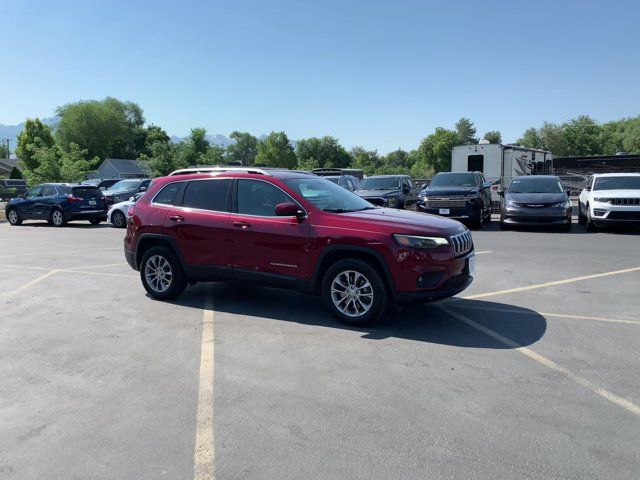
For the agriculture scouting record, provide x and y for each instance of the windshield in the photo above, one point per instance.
(333, 179)
(453, 180)
(124, 185)
(617, 183)
(535, 185)
(327, 196)
(380, 183)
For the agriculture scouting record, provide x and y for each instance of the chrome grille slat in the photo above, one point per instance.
(444, 202)
(625, 201)
(462, 243)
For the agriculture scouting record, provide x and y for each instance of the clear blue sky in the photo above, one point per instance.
(372, 73)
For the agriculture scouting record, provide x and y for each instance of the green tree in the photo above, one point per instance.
(192, 149)
(397, 162)
(104, 128)
(245, 148)
(435, 151)
(214, 155)
(4, 150)
(276, 151)
(530, 139)
(34, 136)
(466, 132)
(366, 160)
(47, 160)
(162, 159)
(552, 138)
(584, 136)
(326, 151)
(75, 164)
(493, 136)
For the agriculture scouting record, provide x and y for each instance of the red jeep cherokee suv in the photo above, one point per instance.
(293, 230)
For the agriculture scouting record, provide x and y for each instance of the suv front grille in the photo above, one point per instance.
(379, 201)
(462, 243)
(444, 202)
(625, 201)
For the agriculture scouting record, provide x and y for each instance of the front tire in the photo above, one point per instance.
(161, 274)
(14, 217)
(95, 221)
(57, 218)
(354, 292)
(581, 218)
(118, 219)
(591, 227)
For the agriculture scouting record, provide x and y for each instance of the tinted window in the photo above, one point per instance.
(260, 198)
(34, 192)
(380, 183)
(326, 195)
(48, 191)
(535, 185)
(453, 180)
(169, 194)
(617, 183)
(87, 192)
(207, 194)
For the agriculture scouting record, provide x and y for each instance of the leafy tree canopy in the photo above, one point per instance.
(326, 151)
(493, 136)
(245, 148)
(466, 132)
(435, 150)
(276, 151)
(35, 135)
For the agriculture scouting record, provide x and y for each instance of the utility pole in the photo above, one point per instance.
(7, 140)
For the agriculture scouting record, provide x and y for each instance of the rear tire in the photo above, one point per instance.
(161, 274)
(591, 227)
(354, 292)
(57, 218)
(118, 219)
(14, 217)
(581, 218)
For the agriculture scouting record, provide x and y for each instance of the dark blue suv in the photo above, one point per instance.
(58, 203)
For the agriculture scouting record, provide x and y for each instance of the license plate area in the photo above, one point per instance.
(470, 264)
(92, 202)
(444, 211)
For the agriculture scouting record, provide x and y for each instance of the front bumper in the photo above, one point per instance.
(458, 213)
(607, 213)
(86, 214)
(536, 216)
(431, 295)
(131, 259)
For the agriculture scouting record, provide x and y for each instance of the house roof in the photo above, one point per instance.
(8, 164)
(127, 167)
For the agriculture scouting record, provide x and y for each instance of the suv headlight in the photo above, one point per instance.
(511, 203)
(391, 201)
(602, 200)
(420, 242)
(565, 204)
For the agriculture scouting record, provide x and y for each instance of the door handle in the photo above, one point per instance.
(241, 224)
(176, 218)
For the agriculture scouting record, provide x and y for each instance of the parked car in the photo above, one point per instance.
(117, 214)
(294, 230)
(125, 189)
(395, 191)
(101, 183)
(465, 196)
(58, 203)
(345, 181)
(11, 187)
(535, 200)
(331, 172)
(610, 198)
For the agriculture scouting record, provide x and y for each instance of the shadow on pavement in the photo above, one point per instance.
(423, 323)
(80, 224)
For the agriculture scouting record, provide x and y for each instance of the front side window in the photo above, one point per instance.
(169, 195)
(34, 192)
(256, 197)
(207, 194)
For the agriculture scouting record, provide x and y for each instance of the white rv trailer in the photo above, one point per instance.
(500, 163)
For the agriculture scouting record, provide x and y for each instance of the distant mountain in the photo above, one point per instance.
(12, 131)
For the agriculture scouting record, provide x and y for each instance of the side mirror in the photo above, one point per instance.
(406, 190)
(288, 210)
(132, 199)
(142, 189)
(104, 189)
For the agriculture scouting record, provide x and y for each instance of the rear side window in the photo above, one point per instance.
(48, 191)
(87, 192)
(170, 194)
(207, 194)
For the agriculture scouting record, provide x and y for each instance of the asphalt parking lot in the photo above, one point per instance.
(533, 372)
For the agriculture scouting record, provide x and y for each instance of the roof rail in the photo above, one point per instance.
(187, 171)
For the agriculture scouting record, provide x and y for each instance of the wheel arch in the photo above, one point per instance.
(150, 240)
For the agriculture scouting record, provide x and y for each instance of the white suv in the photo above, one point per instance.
(610, 198)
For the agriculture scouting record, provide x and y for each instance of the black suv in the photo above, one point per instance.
(394, 191)
(463, 196)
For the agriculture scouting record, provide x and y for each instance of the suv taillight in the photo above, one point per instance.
(71, 198)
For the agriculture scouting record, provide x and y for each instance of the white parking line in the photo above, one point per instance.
(204, 451)
(460, 304)
(484, 251)
(31, 283)
(612, 397)
(552, 284)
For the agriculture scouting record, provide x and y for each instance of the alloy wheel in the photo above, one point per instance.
(158, 273)
(352, 293)
(57, 218)
(13, 217)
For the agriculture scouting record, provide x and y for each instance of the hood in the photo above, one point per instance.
(375, 193)
(536, 197)
(405, 221)
(616, 193)
(439, 191)
(126, 203)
